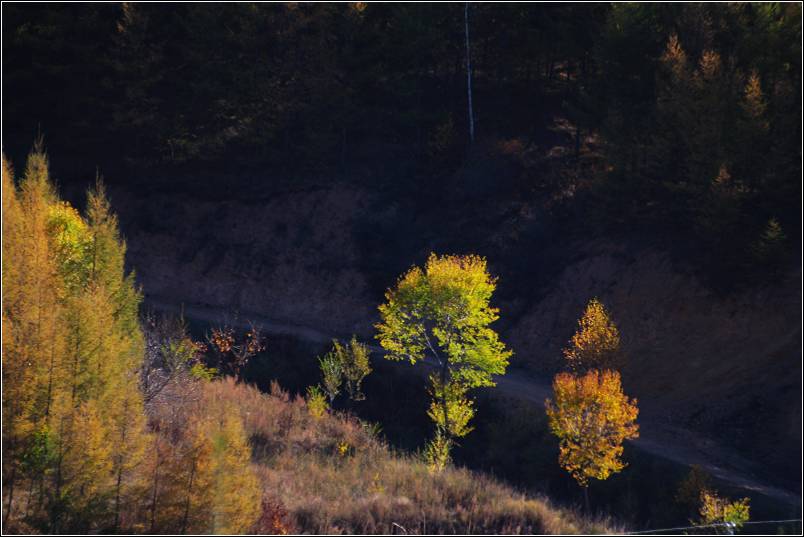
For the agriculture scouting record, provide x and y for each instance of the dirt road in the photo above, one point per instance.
(665, 441)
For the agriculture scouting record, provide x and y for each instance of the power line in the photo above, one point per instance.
(714, 525)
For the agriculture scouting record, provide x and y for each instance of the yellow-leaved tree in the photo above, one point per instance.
(725, 515)
(441, 313)
(592, 417)
(74, 429)
(236, 491)
(596, 343)
(80, 455)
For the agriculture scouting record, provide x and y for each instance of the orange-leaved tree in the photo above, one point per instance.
(592, 417)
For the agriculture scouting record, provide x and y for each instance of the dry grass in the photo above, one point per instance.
(331, 475)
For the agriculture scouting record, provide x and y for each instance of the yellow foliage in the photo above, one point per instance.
(437, 453)
(71, 353)
(343, 448)
(86, 464)
(355, 365)
(443, 311)
(596, 343)
(236, 491)
(592, 417)
(717, 510)
(459, 410)
(316, 402)
(71, 244)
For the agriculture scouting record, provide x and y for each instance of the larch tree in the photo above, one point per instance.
(73, 417)
(591, 417)
(441, 313)
(31, 311)
(236, 492)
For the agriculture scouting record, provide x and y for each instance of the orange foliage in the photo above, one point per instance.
(592, 417)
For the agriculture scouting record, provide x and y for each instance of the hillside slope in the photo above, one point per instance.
(332, 475)
(725, 365)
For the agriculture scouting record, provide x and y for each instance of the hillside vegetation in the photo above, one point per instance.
(335, 475)
(112, 427)
(490, 175)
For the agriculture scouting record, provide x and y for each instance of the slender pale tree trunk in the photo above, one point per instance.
(469, 75)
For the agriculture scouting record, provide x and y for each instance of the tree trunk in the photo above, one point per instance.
(444, 371)
(10, 494)
(154, 495)
(187, 504)
(469, 75)
(586, 498)
(117, 499)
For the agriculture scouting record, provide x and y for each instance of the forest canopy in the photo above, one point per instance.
(695, 108)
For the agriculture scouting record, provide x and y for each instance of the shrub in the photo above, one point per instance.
(316, 402)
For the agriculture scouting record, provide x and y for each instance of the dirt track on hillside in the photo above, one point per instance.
(672, 443)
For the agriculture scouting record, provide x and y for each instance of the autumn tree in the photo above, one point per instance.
(74, 427)
(236, 493)
(229, 353)
(724, 514)
(591, 417)
(344, 367)
(332, 375)
(596, 343)
(354, 358)
(440, 315)
(200, 478)
(688, 492)
(78, 452)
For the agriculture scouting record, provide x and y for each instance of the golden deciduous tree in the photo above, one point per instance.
(460, 409)
(237, 493)
(76, 440)
(592, 417)
(355, 363)
(717, 510)
(73, 421)
(345, 367)
(596, 343)
(32, 342)
(443, 312)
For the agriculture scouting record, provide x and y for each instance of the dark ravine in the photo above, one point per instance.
(671, 443)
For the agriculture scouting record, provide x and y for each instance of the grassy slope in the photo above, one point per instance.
(332, 475)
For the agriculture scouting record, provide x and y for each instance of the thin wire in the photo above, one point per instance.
(715, 525)
(772, 521)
